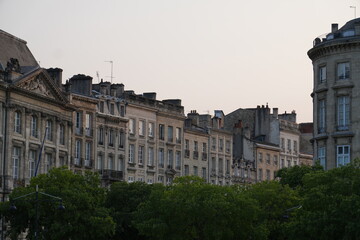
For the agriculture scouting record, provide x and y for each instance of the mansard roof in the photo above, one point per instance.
(13, 47)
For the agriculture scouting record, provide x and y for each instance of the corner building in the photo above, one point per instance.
(336, 115)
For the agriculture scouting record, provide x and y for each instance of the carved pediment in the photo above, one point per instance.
(37, 85)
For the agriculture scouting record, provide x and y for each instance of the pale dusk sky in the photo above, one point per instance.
(212, 54)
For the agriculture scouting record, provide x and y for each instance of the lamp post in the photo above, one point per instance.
(37, 200)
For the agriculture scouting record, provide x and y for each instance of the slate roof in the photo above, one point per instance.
(13, 47)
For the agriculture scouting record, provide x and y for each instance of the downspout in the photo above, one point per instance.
(5, 127)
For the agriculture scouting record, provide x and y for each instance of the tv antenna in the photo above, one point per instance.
(111, 76)
(354, 7)
(97, 75)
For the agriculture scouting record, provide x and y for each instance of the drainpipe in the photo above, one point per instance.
(5, 127)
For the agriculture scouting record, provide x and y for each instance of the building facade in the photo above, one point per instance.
(335, 57)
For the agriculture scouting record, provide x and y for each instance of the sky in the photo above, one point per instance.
(211, 54)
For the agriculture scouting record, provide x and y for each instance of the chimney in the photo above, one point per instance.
(334, 27)
(150, 95)
(56, 75)
(81, 84)
(117, 90)
(275, 112)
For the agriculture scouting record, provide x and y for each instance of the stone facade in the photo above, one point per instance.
(335, 58)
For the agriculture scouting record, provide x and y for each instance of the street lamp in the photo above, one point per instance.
(37, 200)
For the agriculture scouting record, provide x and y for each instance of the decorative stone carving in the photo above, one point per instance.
(36, 85)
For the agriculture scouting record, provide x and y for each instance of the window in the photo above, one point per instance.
(151, 129)
(78, 124)
(196, 146)
(34, 126)
(186, 170)
(321, 116)
(132, 126)
(322, 156)
(343, 113)
(282, 163)
(322, 74)
(268, 174)
(49, 130)
(77, 152)
(213, 164)
(32, 162)
(187, 144)
(260, 157)
(61, 134)
(111, 138)
(101, 136)
(100, 162)
(213, 144)
(61, 160)
(227, 167)
(120, 166)
(161, 157)
(295, 146)
(161, 132)
(170, 159)
(112, 109)
(260, 175)
(121, 139)
(142, 128)
(221, 166)
(16, 162)
(48, 162)
(131, 153)
(227, 147)
(342, 155)
(268, 158)
(101, 107)
(161, 179)
(17, 122)
(203, 173)
(275, 159)
(131, 179)
(141, 155)
(111, 163)
(170, 133)
(289, 145)
(343, 71)
(282, 144)
(221, 145)
(88, 154)
(178, 135)
(149, 181)
(151, 156)
(88, 124)
(195, 170)
(204, 147)
(178, 160)
(122, 110)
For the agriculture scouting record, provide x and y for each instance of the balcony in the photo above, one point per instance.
(88, 163)
(112, 175)
(78, 161)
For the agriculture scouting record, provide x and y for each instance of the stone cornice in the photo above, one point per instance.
(333, 47)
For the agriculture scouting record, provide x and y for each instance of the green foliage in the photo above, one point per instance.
(274, 199)
(330, 207)
(191, 209)
(123, 199)
(293, 176)
(85, 216)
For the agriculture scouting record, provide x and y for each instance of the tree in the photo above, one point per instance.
(293, 176)
(191, 209)
(330, 206)
(85, 216)
(123, 200)
(274, 200)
